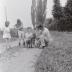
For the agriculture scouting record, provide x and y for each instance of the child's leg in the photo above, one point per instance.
(7, 43)
(19, 33)
(22, 37)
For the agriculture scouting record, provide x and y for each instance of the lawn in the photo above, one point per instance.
(57, 57)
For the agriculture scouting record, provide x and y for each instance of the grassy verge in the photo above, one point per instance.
(58, 56)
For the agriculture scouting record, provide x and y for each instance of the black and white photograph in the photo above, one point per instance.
(35, 35)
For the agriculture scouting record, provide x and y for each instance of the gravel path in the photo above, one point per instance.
(18, 59)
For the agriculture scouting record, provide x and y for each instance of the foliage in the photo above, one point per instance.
(58, 14)
(57, 10)
(68, 9)
(62, 16)
(38, 11)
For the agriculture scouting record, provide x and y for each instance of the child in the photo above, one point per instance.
(6, 34)
(19, 27)
(28, 37)
(44, 35)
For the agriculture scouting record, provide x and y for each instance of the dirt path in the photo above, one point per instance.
(19, 60)
(3, 45)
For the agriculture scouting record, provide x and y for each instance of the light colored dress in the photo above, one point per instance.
(6, 33)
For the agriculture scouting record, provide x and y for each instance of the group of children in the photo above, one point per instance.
(41, 34)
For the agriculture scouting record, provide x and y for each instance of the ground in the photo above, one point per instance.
(18, 59)
(57, 57)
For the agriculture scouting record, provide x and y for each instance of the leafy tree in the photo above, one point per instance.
(68, 8)
(33, 11)
(41, 11)
(57, 10)
(68, 15)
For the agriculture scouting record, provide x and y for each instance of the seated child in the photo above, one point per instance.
(44, 36)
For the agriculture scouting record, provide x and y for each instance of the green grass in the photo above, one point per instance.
(58, 56)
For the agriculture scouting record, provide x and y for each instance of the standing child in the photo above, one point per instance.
(19, 27)
(28, 37)
(6, 34)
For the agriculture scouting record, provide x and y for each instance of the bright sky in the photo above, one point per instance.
(21, 9)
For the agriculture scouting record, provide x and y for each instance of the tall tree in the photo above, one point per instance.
(38, 11)
(68, 8)
(33, 12)
(41, 11)
(57, 10)
(68, 15)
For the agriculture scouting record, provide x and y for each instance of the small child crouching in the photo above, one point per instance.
(44, 36)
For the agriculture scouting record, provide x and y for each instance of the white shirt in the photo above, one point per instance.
(6, 32)
(46, 35)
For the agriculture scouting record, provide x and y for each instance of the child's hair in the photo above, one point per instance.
(7, 23)
(40, 27)
(19, 21)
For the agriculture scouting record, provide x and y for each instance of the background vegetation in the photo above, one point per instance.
(62, 17)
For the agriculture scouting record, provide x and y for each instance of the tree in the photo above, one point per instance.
(41, 11)
(33, 12)
(57, 10)
(68, 15)
(38, 11)
(68, 8)
(58, 14)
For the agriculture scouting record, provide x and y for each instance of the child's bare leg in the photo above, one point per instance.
(9, 43)
(19, 41)
(6, 43)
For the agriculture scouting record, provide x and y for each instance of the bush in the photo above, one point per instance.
(63, 24)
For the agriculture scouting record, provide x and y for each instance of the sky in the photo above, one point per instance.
(21, 9)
